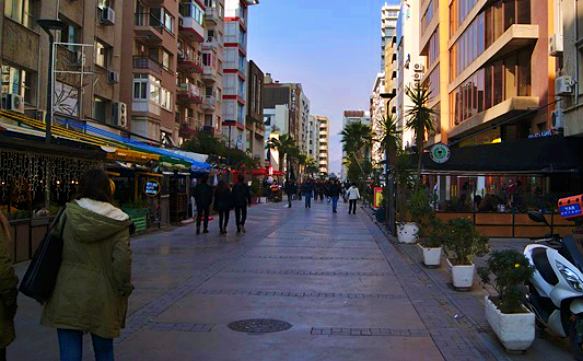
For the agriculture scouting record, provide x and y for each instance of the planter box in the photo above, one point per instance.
(431, 256)
(462, 276)
(407, 232)
(515, 331)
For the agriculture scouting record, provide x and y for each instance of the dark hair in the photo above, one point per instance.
(241, 178)
(96, 185)
(204, 178)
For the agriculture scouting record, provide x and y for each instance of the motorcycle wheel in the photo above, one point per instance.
(576, 337)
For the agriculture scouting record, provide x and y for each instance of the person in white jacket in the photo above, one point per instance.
(353, 195)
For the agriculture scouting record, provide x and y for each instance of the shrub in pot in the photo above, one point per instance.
(463, 243)
(511, 321)
(418, 212)
(433, 236)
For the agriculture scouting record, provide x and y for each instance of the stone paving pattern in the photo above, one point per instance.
(349, 293)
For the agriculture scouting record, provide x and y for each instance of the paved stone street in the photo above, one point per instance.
(348, 293)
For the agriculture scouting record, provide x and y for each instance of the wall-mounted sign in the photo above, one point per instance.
(152, 188)
(378, 197)
(440, 153)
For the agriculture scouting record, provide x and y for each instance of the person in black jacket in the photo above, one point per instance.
(334, 190)
(203, 196)
(241, 198)
(223, 205)
(290, 190)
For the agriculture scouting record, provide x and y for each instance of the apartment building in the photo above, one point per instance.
(290, 95)
(488, 68)
(377, 113)
(389, 16)
(323, 158)
(255, 129)
(235, 72)
(306, 138)
(276, 122)
(86, 86)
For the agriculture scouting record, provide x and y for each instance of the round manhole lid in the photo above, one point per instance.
(259, 326)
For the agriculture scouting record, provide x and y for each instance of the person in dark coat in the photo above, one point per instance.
(308, 191)
(290, 190)
(241, 198)
(203, 196)
(223, 205)
(334, 190)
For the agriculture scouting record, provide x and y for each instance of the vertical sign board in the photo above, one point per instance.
(378, 197)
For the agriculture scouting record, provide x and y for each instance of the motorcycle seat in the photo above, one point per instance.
(543, 266)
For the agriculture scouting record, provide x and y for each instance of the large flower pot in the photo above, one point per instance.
(431, 256)
(516, 331)
(407, 232)
(462, 275)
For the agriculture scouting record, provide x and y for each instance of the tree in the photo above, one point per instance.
(356, 142)
(419, 118)
(285, 145)
(389, 138)
(216, 149)
(311, 166)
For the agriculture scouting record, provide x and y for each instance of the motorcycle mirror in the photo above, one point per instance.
(537, 217)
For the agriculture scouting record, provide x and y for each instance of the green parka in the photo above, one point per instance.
(8, 292)
(94, 280)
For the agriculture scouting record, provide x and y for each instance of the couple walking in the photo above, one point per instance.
(333, 191)
(225, 199)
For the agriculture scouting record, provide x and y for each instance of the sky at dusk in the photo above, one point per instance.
(331, 47)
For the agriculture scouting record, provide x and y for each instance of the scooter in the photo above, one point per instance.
(555, 290)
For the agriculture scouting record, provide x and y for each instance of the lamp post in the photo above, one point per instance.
(389, 181)
(49, 25)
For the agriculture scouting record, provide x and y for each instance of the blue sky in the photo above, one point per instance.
(332, 47)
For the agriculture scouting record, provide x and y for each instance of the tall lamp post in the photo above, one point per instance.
(389, 181)
(48, 25)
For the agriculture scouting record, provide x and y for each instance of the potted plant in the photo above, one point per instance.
(513, 324)
(417, 212)
(432, 239)
(462, 244)
(255, 191)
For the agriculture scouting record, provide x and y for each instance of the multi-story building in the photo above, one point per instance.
(255, 128)
(235, 72)
(86, 77)
(289, 94)
(389, 15)
(323, 141)
(488, 68)
(276, 122)
(377, 113)
(305, 127)
(312, 138)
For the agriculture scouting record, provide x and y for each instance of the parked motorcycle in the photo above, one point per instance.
(556, 287)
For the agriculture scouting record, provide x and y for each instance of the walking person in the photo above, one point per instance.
(308, 191)
(223, 205)
(290, 190)
(241, 198)
(8, 292)
(334, 190)
(353, 196)
(94, 280)
(203, 196)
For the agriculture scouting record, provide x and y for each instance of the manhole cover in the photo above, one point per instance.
(258, 326)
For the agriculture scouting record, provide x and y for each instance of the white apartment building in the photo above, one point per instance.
(323, 124)
(313, 137)
(389, 16)
(234, 69)
(304, 141)
(276, 121)
(377, 113)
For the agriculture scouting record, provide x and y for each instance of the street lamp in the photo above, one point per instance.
(390, 201)
(49, 25)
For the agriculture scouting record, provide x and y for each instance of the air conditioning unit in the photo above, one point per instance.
(564, 85)
(112, 77)
(13, 102)
(120, 114)
(556, 44)
(558, 118)
(418, 67)
(417, 76)
(107, 16)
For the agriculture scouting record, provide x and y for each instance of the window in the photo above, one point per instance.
(165, 99)
(154, 92)
(192, 10)
(207, 59)
(166, 60)
(161, 17)
(141, 86)
(100, 109)
(19, 11)
(17, 81)
(71, 34)
(102, 54)
(102, 4)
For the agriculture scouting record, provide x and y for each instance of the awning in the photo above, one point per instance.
(546, 155)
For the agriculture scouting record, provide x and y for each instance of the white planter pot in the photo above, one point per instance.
(263, 200)
(407, 232)
(462, 276)
(515, 331)
(431, 256)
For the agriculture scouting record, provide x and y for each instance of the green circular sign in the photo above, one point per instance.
(440, 153)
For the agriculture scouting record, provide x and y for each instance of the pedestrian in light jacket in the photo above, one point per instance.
(203, 196)
(8, 292)
(223, 205)
(241, 198)
(353, 195)
(94, 280)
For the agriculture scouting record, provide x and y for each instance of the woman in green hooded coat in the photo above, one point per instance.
(94, 281)
(8, 292)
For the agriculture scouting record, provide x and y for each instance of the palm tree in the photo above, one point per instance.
(356, 142)
(420, 118)
(389, 138)
(285, 145)
(311, 166)
(301, 159)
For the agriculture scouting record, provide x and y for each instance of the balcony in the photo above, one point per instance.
(209, 103)
(186, 131)
(145, 63)
(152, 3)
(188, 93)
(148, 29)
(189, 64)
(211, 44)
(212, 15)
(189, 25)
(208, 129)
(209, 74)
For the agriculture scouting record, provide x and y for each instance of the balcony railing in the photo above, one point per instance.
(209, 102)
(143, 62)
(212, 15)
(189, 93)
(188, 62)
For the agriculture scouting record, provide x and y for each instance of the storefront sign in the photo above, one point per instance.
(440, 153)
(544, 133)
(152, 188)
(378, 197)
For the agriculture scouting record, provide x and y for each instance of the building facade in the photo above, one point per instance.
(377, 113)
(255, 129)
(313, 138)
(306, 138)
(276, 122)
(290, 95)
(389, 15)
(235, 72)
(323, 143)
(87, 61)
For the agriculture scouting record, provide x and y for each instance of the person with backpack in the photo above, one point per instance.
(241, 198)
(223, 205)
(203, 196)
(353, 195)
(94, 279)
(8, 291)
